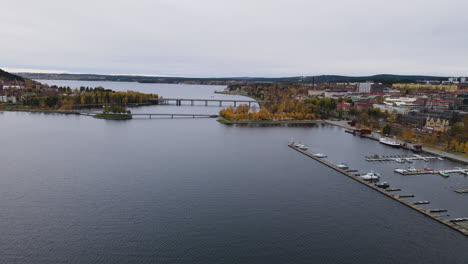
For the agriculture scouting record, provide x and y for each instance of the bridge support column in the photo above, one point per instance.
(220, 103)
(191, 102)
(249, 104)
(150, 116)
(235, 103)
(206, 103)
(172, 116)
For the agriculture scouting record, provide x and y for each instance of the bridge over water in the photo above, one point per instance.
(178, 101)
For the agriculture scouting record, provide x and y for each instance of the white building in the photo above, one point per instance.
(365, 87)
(401, 101)
(7, 87)
(8, 99)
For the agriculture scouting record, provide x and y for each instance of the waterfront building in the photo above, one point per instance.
(436, 125)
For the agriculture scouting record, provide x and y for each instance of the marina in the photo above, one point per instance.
(462, 228)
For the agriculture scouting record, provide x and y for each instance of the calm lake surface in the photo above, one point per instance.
(74, 189)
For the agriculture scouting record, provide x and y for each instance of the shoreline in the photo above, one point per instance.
(269, 122)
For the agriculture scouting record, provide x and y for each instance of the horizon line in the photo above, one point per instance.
(39, 71)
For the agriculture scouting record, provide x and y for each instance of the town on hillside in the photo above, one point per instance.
(429, 112)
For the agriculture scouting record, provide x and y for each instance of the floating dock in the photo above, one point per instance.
(402, 159)
(444, 173)
(462, 228)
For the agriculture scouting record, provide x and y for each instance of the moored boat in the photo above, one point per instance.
(320, 155)
(299, 145)
(443, 173)
(389, 142)
(343, 166)
(383, 185)
(371, 176)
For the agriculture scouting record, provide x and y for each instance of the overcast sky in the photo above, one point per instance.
(236, 37)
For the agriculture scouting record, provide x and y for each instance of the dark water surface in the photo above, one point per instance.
(74, 189)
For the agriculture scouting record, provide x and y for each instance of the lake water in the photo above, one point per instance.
(74, 189)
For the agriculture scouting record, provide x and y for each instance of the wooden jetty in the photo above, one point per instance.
(457, 227)
(406, 196)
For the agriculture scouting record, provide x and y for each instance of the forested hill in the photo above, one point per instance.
(384, 78)
(10, 77)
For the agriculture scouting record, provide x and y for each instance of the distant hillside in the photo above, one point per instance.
(383, 78)
(10, 77)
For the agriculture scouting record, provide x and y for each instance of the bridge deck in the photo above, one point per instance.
(203, 100)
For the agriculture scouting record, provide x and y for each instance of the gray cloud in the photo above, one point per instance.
(237, 38)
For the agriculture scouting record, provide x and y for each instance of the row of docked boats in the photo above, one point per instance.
(371, 176)
(304, 147)
(375, 177)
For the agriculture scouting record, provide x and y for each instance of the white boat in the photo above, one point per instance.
(370, 176)
(343, 166)
(400, 170)
(399, 160)
(443, 173)
(440, 158)
(301, 146)
(389, 142)
(298, 145)
(320, 155)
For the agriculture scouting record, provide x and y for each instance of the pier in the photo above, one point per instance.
(454, 225)
(178, 101)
